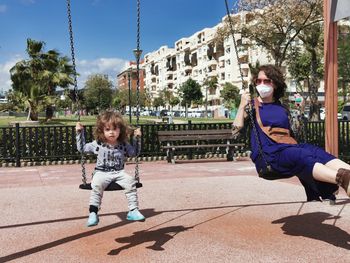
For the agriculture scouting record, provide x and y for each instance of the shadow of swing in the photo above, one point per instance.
(159, 236)
(160, 233)
(311, 225)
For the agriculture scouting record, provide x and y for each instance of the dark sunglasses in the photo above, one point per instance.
(264, 81)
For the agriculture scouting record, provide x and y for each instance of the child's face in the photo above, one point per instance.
(111, 134)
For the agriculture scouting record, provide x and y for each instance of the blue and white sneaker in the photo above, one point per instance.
(93, 219)
(135, 215)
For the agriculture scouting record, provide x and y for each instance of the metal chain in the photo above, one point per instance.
(235, 44)
(137, 90)
(75, 83)
(250, 107)
(257, 139)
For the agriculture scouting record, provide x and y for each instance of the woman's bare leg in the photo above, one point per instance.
(324, 174)
(335, 171)
(336, 164)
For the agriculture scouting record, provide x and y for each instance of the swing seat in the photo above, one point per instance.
(113, 186)
(270, 174)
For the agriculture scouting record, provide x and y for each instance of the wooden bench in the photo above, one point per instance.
(197, 139)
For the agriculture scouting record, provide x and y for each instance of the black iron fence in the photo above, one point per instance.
(39, 144)
(58, 143)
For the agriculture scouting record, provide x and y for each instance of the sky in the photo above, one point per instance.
(104, 30)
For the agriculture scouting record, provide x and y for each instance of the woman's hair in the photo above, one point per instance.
(276, 75)
(114, 119)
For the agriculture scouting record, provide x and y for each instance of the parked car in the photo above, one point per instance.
(323, 114)
(145, 113)
(345, 114)
(163, 113)
(177, 113)
(195, 113)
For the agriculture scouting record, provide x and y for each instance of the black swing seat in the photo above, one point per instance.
(113, 186)
(270, 174)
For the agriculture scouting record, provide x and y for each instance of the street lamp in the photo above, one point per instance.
(137, 53)
(206, 95)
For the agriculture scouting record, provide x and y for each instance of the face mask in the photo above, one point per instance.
(264, 90)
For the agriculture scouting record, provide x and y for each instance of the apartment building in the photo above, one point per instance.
(199, 57)
(129, 75)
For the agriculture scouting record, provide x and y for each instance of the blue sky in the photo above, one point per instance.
(104, 30)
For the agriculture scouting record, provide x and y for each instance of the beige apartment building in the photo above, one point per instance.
(200, 57)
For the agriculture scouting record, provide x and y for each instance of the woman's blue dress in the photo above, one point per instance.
(290, 159)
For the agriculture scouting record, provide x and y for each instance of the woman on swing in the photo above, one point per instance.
(320, 172)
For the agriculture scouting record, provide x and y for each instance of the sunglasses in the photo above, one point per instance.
(263, 81)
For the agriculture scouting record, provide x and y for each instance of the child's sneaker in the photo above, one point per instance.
(135, 215)
(93, 219)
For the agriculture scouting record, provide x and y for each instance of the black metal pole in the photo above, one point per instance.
(17, 146)
(129, 86)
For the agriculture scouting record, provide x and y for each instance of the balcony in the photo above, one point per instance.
(188, 68)
(211, 62)
(169, 81)
(212, 74)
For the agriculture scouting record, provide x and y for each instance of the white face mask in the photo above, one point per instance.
(264, 90)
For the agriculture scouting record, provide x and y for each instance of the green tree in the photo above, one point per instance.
(190, 91)
(299, 69)
(230, 95)
(166, 95)
(275, 25)
(312, 38)
(122, 96)
(38, 77)
(98, 93)
(344, 60)
(16, 101)
(210, 84)
(158, 101)
(174, 101)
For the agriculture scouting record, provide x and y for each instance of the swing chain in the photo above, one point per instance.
(137, 53)
(71, 38)
(235, 45)
(249, 109)
(75, 83)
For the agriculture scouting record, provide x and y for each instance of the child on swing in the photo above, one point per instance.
(111, 147)
(320, 172)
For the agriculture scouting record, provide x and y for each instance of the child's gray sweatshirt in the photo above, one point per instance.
(109, 158)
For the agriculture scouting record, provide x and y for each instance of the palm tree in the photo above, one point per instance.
(39, 76)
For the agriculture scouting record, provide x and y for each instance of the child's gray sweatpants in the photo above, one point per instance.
(102, 179)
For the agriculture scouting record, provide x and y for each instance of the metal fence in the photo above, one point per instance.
(58, 143)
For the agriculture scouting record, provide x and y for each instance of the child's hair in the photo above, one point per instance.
(114, 119)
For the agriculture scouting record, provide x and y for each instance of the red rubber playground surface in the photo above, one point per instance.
(198, 211)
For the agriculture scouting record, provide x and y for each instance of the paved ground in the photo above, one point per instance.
(204, 211)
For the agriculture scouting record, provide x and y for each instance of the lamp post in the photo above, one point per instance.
(206, 101)
(129, 86)
(137, 53)
(206, 95)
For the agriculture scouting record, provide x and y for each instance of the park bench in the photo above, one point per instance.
(197, 139)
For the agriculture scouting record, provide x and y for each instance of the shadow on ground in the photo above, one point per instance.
(311, 225)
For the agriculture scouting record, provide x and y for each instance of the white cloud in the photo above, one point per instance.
(5, 81)
(3, 8)
(105, 66)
